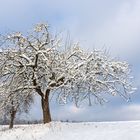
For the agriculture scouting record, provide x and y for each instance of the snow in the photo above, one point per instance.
(74, 131)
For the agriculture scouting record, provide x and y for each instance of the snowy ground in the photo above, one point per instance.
(74, 131)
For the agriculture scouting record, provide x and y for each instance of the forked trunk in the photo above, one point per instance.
(46, 108)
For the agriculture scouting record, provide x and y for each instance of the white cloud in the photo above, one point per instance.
(122, 32)
(108, 112)
(94, 23)
(97, 24)
(130, 112)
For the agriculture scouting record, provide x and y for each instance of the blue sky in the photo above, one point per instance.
(94, 23)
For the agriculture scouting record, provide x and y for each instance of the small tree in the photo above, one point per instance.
(13, 103)
(38, 63)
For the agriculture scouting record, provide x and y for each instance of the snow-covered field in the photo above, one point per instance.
(74, 131)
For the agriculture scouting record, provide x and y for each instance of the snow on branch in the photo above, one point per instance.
(35, 63)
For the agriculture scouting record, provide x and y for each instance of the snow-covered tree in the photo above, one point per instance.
(13, 103)
(38, 63)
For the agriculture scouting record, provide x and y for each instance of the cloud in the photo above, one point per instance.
(130, 112)
(118, 29)
(98, 113)
(93, 23)
(122, 32)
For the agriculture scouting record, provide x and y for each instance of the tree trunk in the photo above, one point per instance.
(12, 117)
(46, 108)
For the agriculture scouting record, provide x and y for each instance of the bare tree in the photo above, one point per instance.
(37, 63)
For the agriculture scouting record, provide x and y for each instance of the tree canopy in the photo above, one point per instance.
(39, 63)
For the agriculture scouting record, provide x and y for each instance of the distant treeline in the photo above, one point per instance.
(19, 121)
(6, 122)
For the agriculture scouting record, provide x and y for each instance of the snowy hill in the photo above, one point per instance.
(74, 131)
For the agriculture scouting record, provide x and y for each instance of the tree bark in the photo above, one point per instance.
(12, 117)
(44, 98)
(46, 108)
